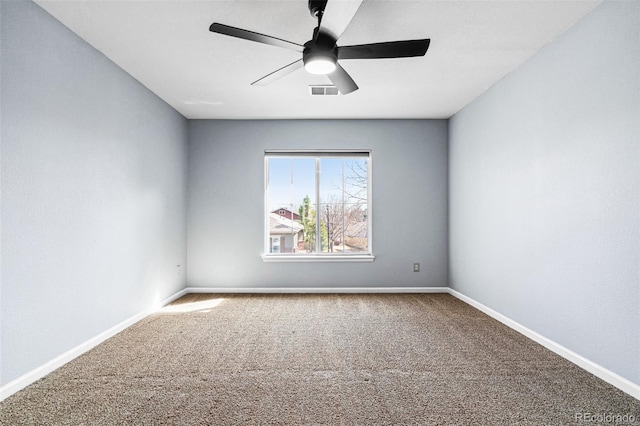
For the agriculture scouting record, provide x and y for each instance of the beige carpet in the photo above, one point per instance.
(319, 359)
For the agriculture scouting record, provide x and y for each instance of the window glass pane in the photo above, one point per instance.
(343, 194)
(338, 224)
(291, 205)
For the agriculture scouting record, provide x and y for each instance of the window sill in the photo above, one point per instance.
(318, 258)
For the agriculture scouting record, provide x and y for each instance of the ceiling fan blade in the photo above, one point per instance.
(252, 36)
(392, 49)
(278, 74)
(336, 17)
(343, 80)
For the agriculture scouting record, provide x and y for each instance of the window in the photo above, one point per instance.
(317, 205)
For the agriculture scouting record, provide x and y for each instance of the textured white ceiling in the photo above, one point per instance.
(168, 47)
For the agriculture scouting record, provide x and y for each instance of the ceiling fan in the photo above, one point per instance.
(320, 55)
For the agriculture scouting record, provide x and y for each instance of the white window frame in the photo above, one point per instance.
(318, 257)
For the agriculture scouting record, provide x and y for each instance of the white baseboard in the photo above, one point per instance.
(318, 290)
(38, 373)
(593, 368)
(169, 299)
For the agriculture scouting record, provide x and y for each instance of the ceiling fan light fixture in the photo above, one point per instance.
(320, 65)
(320, 57)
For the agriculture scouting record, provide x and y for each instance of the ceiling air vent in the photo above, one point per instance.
(323, 90)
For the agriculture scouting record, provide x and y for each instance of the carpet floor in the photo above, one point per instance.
(369, 359)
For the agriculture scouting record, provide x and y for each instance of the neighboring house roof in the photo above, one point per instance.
(285, 212)
(280, 225)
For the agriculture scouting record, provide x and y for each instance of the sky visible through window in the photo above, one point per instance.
(291, 180)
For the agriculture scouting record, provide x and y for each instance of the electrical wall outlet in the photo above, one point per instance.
(178, 269)
(416, 267)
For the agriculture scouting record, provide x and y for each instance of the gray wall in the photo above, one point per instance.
(226, 202)
(545, 194)
(93, 192)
